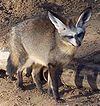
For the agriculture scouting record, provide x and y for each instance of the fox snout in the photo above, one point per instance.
(75, 42)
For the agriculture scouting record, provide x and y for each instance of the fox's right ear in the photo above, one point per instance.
(59, 25)
(84, 17)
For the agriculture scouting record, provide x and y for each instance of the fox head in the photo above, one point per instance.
(73, 33)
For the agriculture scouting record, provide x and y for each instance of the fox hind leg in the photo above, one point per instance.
(36, 68)
(11, 68)
(20, 70)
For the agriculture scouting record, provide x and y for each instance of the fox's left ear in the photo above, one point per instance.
(84, 17)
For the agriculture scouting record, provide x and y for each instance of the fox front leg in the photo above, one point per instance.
(53, 86)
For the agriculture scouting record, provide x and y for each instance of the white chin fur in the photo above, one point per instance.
(73, 42)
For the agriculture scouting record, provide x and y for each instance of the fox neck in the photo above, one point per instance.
(65, 51)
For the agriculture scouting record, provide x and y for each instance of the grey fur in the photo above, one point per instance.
(37, 41)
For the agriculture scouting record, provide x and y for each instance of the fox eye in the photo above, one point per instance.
(70, 37)
(64, 29)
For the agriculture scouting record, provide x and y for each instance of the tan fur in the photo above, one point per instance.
(59, 51)
(36, 41)
(47, 42)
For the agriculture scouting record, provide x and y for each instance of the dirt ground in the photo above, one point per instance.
(14, 11)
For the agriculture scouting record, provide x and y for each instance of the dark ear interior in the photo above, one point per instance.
(86, 13)
(55, 15)
(84, 17)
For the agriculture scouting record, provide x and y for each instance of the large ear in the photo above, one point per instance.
(84, 17)
(60, 26)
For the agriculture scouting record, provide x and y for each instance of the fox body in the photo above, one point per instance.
(48, 42)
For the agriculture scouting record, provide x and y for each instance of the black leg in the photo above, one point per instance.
(20, 79)
(27, 64)
(50, 91)
(29, 71)
(11, 69)
(38, 83)
(53, 82)
(36, 68)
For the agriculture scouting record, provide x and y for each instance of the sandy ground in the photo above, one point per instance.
(10, 96)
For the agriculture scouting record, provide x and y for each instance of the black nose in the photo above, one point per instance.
(78, 43)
